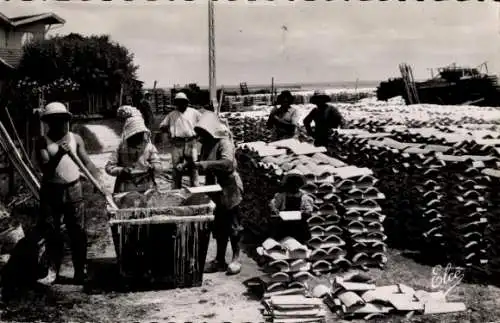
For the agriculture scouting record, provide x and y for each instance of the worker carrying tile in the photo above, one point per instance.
(284, 120)
(178, 130)
(136, 160)
(325, 116)
(61, 195)
(218, 163)
(291, 198)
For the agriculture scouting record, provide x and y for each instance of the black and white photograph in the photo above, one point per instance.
(283, 161)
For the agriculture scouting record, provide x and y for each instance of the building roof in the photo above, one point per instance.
(47, 18)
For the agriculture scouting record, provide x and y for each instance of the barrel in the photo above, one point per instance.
(163, 247)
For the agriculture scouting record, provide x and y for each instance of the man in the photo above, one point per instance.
(147, 111)
(285, 119)
(178, 128)
(61, 190)
(325, 117)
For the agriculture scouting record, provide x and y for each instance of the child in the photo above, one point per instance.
(291, 198)
(136, 160)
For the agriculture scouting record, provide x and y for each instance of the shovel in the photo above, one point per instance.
(87, 173)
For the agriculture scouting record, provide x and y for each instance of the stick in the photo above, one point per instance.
(87, 173)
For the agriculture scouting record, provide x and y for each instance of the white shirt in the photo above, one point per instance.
(181, 125)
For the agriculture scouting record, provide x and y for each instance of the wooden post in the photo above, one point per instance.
(121, 95)
(272, 90)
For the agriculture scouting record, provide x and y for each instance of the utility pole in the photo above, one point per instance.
(211, 56)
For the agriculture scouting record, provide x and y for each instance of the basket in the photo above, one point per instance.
(163, 246)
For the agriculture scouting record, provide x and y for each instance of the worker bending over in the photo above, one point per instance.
(291, 198)
(284, 120)
(61, 190)
(178, 127)
(218, 163)
(136, 160)
(325, 116)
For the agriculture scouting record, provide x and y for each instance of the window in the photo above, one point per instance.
(26, 38)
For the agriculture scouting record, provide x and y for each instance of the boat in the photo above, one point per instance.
(452, 85)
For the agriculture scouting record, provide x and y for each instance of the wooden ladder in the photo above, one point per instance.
(409, 81)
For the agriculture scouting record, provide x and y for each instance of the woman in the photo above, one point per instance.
(217, 161)
(291, 198)
(136, 160)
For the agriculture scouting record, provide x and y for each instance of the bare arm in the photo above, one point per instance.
(112, 167)
(307, 122)
(84, 157)
(154, 158)
(271, 119)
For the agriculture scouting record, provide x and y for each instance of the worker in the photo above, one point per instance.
(291, 198)
(325, 116)
(218, 162)
(136, 160)
(178, 130)
(61, 190)
(284, 120)
(147, 110)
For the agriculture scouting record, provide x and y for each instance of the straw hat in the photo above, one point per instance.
(320, 96)
(134, 125)
(181, 96)
(55, 109)
(285, 95)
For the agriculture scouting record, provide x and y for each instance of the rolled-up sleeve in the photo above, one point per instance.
(165, 123)
(112, 168)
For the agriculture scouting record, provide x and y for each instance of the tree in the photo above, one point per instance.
(72, 67)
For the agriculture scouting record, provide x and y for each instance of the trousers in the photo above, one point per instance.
(183, 151)
(63, 203)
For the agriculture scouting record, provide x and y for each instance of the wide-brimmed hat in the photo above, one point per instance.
(285, 95)
(293, 178)
(134, 125)
(55, 109)
(210, 123)
(320, 96)
(181, 96)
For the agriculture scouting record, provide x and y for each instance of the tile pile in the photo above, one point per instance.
(356, 297)
(286, 267)
(345, 202)
(293, 309)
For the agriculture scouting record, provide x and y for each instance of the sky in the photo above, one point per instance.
(293, 42)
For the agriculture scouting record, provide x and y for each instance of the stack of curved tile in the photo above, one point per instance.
(492, 234)
(362, 216)
(286, 266)
(466, 208)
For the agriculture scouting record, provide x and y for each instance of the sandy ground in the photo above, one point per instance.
(221, 298)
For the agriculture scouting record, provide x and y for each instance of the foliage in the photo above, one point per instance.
(95, 63)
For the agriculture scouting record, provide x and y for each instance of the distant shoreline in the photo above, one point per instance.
(297, 86)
